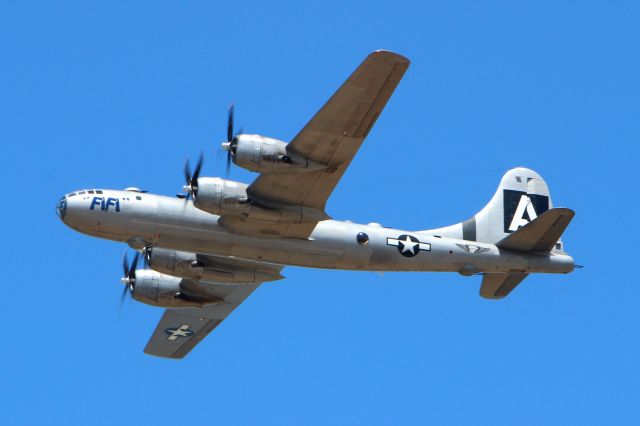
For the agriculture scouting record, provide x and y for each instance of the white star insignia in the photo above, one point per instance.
(408, 245)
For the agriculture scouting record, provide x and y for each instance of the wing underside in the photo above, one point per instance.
(332, 138)
(181, 329)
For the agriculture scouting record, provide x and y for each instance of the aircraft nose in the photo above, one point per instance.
(61, 207)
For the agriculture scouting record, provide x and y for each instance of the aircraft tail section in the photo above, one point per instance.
(519, 217)
(522, 197)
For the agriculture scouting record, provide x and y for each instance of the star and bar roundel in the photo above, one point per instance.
(408, 245)
(175, 332)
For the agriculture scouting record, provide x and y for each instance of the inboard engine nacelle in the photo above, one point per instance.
(267, 155)
(204, 268)
(230, 198)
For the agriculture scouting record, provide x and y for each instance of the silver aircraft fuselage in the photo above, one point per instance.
(143, 219)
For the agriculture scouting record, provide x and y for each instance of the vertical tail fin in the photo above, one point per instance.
(521, 197)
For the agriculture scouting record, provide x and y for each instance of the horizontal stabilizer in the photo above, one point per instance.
(541, 234)
(499, 285)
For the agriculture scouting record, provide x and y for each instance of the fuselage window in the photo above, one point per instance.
(362, 238)
(138, 197)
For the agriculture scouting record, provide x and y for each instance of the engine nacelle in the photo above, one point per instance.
(158, 289)
(267, 155)
(222, 196)
(227, 197)
(201, 268)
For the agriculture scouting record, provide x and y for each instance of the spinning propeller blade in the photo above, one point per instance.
(129, 277)
(232, 139)
(191, 180)
(230, 123)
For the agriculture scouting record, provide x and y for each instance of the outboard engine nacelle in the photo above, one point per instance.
(267, 155)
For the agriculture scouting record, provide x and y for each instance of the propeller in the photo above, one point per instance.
(191, 187)
(129, 275)
(232, 139)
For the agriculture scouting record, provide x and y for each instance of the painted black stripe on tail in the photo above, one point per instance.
(469, 229)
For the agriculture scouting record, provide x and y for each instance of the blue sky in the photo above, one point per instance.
(115, 94)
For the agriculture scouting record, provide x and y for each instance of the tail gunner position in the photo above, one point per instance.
(209, 249)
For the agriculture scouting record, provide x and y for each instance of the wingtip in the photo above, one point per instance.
(390, 54)
(565, 211)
